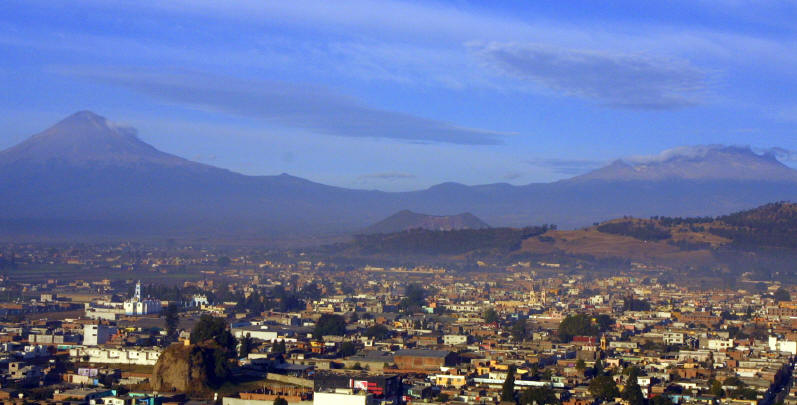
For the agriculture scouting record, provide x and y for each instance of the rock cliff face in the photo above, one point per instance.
(182, 368)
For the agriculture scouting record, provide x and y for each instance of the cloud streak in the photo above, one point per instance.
(613, 79)
(301, 106)
(565, 166)
(390, 176)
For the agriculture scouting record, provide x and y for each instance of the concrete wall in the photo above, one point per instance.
(290, 380)
(122, 355)
(239, 401)
(327, 398)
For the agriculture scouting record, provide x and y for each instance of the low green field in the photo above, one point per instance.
(69, 272)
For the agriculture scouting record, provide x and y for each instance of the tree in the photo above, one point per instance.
(632, 304)
(597, 368)
(279, 347)
(330, 324)
(217, 345)
(519, 330)
(661, 399)
(741, 391)
(246, 346)
(442, 397)
(581, 365)
(716, 388)
(414, 299)
(212, 328)
(603, 321)
(632, 392)
(508, 389)
(310, 291)
(734, 381)
(782, 295)
(377, 332)
(223, 261)
(171, 317)
(347, 349)
(280, 401)
(539, 395)
(745, 393)
(577, 325)
(490, 316)
(602, 387)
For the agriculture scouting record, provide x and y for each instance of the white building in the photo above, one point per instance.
(342, 397)
(94, 335)
(109, 311)
(117, 355)
(720, 344)
(596, 300)
(777, 345)
(673, 338)
(199, 299)
(260, 333)
(137, 306)
(455, 339)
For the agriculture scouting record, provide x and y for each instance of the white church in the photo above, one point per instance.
(137, 306)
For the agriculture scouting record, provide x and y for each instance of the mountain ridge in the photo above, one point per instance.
(703, 162)
(405, 220)
(84, 138)
(97, 178)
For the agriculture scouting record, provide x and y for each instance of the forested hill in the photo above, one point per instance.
(455, 242)
(769, 226)
(762, 240)
(772, 225)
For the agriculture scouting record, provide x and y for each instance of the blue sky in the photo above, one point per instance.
(399, 95)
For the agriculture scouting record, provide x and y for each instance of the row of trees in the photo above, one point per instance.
(602, 387)
(277, 298)
(771, 225)
(428, 242)
(571, 326)
(647, 231)
(605, 389)
(583, 325)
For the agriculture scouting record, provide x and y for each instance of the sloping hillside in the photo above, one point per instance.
(701, 242)
(405, 220)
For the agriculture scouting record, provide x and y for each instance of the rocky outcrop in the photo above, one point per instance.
(184, 369)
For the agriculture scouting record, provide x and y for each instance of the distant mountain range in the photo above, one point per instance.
(405, 220)
(85, 177)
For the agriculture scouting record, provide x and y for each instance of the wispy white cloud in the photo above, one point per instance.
(389, 176)
(782, 154)
(426, 44)
(686, 152)
(565, 166)
(292, 105)
(513, 176)
(786, 114)
(617, 80)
